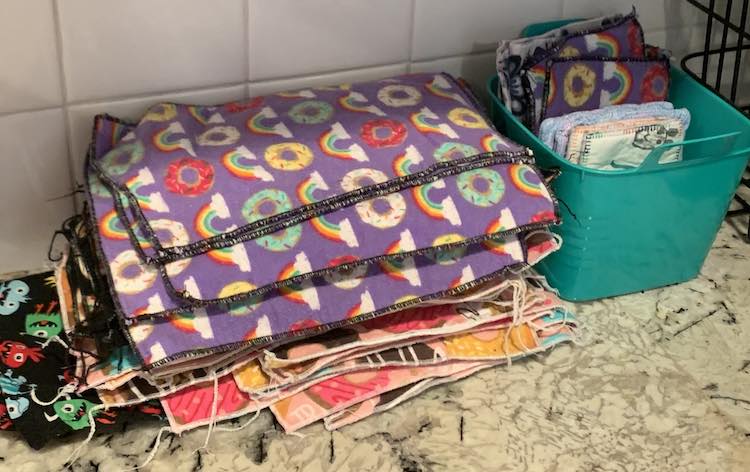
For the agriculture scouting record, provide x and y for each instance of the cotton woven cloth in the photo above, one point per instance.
(625, 143)
(206, 303)
(327, 253)
(554, 131)
(623, 37)
(585, 83)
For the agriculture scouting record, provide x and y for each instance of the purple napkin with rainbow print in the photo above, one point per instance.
(622, 38)
(419, 157)
(583, 83)
(201, 259)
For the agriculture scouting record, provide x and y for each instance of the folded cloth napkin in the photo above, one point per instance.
(622, 38)
(514, 56)
(549, 337)
(245, 390)
(289, 136)
(554, 131)
(205, 236)
(282, 383)
(305, 358)
(587, 83)
(624, 143)
(441, 358)
(305, 305)
(391, 399)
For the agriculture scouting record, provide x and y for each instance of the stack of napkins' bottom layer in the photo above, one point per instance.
(328, 253)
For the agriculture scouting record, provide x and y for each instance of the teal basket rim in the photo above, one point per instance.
(643, 168)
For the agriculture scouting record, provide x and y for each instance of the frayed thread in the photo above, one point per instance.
(212, 419)
(61, 392)
(154, 449)
(73, 457)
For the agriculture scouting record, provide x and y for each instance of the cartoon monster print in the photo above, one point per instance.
(45, 325)
(10, 385)
(148, 408)
(5, 421)
(74, 412)
(14, 354)
(67, 377)
(648, 137)
(12, 294)
(16, 407)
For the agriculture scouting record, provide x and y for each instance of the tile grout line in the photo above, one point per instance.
(64, 90)
(246, 37)
(456, 56)
(328, 72)
(412, 33)
(138, 96)
(6, 114)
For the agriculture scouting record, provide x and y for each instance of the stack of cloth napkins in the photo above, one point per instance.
(327, 253)
(593, 91)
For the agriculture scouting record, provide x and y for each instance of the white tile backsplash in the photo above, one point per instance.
(290, 38)
(29, 68)
(449, 27)
(138, 47)
(34, 186)
(64, 61)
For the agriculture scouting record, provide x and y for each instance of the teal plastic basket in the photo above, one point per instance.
(630, 230)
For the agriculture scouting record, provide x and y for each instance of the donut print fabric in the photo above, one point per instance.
(434, 158)
(234, 313)
(277, 144)
(582, 83)
(525, 56)
(622, 38)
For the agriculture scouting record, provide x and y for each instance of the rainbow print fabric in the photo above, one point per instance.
(359, 172)
(623, 37)
(580, 83)
(254, 222)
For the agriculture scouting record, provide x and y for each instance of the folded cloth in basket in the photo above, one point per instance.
(623, 38)
(624, 143)
(554, 132)
(516, 55)
(584, 83)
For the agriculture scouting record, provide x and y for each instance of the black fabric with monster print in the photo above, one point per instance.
(36, 378)
(6, 424)
(33, 356)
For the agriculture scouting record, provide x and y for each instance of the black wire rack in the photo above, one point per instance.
(718, 27)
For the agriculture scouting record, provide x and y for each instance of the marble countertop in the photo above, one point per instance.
(663, 384)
